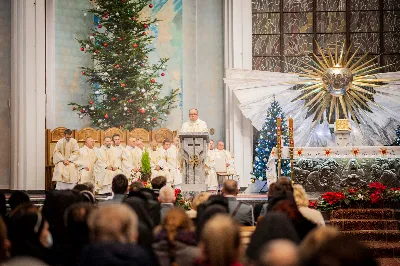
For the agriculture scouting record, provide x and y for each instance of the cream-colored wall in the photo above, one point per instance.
(5, 90)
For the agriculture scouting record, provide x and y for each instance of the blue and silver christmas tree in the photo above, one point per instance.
(268, 140)
(397, 141)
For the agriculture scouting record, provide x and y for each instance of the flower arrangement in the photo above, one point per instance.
(375, 194)
(181, 201)
(146, 184)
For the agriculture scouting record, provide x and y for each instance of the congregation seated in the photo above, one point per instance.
(113, 230)
(302, 203)
(119, 188)
(167, 199)
(157, 183)
(241, 212)
(197, 200)
(175, 239)
(69, 231)
(18, 198)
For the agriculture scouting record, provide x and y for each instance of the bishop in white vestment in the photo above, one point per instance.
(87, 159)
(118, 149)
(220, 152)
(194, 124)
(65, 155)
(169, 164)
(130, 163)
(155, 157)
(209, 165)
(105, 167)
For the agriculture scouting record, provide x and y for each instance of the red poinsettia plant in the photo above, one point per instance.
(375, 194)
(181, 201)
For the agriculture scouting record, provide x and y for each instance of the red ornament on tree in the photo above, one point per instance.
(82, 49)
(113, 98)
(133, 18)
(162, 74)
(144, 33)
(116, 66)
(130, 100)
(142, 110)
(91, 102)
(82, 111)
(99, 26)
(105, 44)
(96, 51)
(120, 38)
(154, 118)
(151, 6)
(145, 25)
(83, 72)
(123, 85)
(106, 116)
(134, 45)
(73, 108)
(152, 80)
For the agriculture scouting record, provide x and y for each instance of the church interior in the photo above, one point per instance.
(259, 106)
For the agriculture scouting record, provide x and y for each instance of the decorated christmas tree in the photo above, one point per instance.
(126, 86)
(268, 140)
(397, 141)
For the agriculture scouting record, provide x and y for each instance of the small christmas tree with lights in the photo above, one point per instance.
(126, 86)
(268, 140)
(397, 141)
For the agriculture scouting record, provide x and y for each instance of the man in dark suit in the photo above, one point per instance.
(167, 199)
(119, 188)
(241, 212)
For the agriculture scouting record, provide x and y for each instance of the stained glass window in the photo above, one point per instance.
(285, 32)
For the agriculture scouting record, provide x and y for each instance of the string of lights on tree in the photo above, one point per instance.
(268, 140)
(126, 86)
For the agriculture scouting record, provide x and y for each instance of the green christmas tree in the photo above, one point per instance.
(268, 140)
(126, 86)
(146, 168)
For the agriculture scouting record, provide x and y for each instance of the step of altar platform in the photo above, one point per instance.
(389, 261)
(383, 249)
(358, 224)
(375, 235)
(364, 214)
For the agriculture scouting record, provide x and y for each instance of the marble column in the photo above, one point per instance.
(238, 54)
(28, 94)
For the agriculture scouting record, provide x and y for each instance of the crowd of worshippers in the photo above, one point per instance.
(140, 226)
(74, 165)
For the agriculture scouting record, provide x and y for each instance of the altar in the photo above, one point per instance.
(320, 169)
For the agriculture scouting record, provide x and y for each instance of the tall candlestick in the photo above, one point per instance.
(291, 148)
(279, 146)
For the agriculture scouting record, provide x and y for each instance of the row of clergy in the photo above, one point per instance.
(99, 165)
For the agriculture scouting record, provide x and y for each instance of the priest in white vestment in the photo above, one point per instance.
(118, 150)
(220, 152)
(209, 165)
(105, 167)
(130, 164)
(65, 154)
(155, 157)
(194, 124)
(169, 164)
(87, 159)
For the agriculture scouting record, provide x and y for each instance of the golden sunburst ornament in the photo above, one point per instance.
(337, 82)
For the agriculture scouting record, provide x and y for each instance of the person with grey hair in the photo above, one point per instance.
(167, 199)
(113, 232)
(195, 124)
(280, 252)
